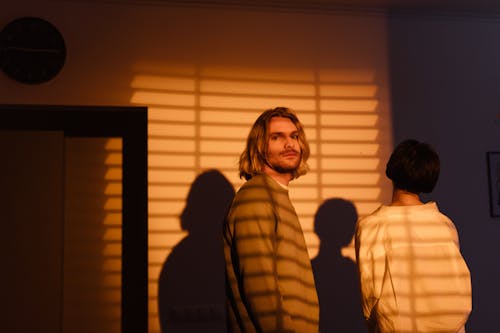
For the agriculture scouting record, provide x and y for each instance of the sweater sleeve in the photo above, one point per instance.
(254, 246)
(371, 263)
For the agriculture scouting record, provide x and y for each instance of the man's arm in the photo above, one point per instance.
(255, 249)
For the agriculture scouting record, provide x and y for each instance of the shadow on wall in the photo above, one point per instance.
(336, 276)
(191, 294)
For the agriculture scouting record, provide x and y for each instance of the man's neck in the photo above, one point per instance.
(405, 198)
(282, 178)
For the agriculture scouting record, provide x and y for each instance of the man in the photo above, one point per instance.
(413, 277)
(270, 284)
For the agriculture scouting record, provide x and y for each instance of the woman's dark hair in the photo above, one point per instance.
(414, 167)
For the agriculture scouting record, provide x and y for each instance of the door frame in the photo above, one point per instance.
(129, 123)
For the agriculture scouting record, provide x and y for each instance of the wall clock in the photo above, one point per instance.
(32, 50)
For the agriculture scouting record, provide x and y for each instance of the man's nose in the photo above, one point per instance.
(289, 143)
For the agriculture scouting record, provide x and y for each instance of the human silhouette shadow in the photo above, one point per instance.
(191, 289)
(336, 276)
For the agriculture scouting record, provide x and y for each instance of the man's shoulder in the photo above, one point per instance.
(253, 198)
(255, 180)
(256, 184)
(251, 189)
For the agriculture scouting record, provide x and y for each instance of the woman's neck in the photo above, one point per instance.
(405, 198)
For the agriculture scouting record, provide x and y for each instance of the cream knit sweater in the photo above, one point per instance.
(412, 274)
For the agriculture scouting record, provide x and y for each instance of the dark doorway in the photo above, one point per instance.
(53, 158)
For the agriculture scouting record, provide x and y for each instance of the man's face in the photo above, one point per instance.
(283, 149)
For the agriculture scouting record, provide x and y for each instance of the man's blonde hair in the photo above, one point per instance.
(253, 158)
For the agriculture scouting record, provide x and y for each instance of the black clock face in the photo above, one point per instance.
(32, 50)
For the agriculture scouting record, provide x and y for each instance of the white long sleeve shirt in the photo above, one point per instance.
(413, 277)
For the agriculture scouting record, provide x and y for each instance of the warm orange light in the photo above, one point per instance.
(113, 159)
(156, 256)
(224, 132)
(348, 90)
(112, 265)
(93, 234)
(163, 207)
(113, 204)
(166, 223)
(214, 146)
(261, 103)
(313, 242)
(173, 145)
(172, 130)
(256, 88)
(112, 219)
(352, 193)
(113, 174)
(342, 120)
(353, 164)
(348, 105)
(113, 188)
(228, 117)
(350, 149)
(112, 249)
(336, 134)
(355, 76)
(158, 240)
(350, 178)
(173, 176)
(162, 98)
(305, 192)
(199, 119)
(112, 234)
(258, 74)
(179, 115)
(170, 160)
(166, 192)
(143, 82)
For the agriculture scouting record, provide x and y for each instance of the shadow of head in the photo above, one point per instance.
(207, 203)
(335, 221)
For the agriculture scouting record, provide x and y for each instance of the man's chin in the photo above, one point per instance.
(285, 169)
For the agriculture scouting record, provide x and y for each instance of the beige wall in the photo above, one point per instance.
(109, 43)
(205, 74)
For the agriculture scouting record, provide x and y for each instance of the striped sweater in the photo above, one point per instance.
(270, 284)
